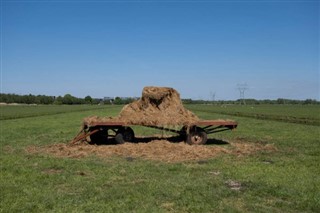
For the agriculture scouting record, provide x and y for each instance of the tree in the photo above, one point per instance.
(58, 100)
(117, 100)
(68, 99)
(88, 99)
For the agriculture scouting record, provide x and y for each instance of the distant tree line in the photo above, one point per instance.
(44, 99)
(66, 99)
(70, 100)
(253, 101)
(121, 101)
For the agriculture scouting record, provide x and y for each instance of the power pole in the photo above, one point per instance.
(242, 88)
(212, 96)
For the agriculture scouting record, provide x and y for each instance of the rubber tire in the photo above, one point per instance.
(183, 133)
(124, 134)
(100, 137)
(196, 136)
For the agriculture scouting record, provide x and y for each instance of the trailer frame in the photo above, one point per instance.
(194, 133)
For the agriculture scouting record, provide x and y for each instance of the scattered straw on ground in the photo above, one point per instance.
(159, 150)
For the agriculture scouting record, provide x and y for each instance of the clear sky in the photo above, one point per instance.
(115, 48)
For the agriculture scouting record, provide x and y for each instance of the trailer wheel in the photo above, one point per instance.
(99, 137)
(196, 136)
(124, 134)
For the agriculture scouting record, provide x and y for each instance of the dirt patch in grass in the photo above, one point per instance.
(159, 150)
(52, 171)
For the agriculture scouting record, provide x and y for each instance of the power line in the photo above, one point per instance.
(242, 88)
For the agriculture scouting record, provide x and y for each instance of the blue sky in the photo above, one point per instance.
(113, 48)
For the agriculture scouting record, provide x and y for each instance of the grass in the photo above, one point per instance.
(284, 181)
(304, 114)
(24, 111)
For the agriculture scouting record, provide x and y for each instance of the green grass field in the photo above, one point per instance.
(304, 114)
(24, 111)
(286, 180)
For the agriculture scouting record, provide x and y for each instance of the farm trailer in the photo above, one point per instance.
(193, 134)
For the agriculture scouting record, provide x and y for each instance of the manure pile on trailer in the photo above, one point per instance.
(158, 106)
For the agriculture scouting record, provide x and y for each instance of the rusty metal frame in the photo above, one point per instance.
(82, 135)
(211, 126)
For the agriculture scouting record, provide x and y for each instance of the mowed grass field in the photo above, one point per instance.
(304, 114)
(24, 111)
(285, 180)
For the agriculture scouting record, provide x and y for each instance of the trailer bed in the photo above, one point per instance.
(193, 133)
(199, 123)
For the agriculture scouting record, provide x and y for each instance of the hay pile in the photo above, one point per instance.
(158, 106)
(158, 150)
